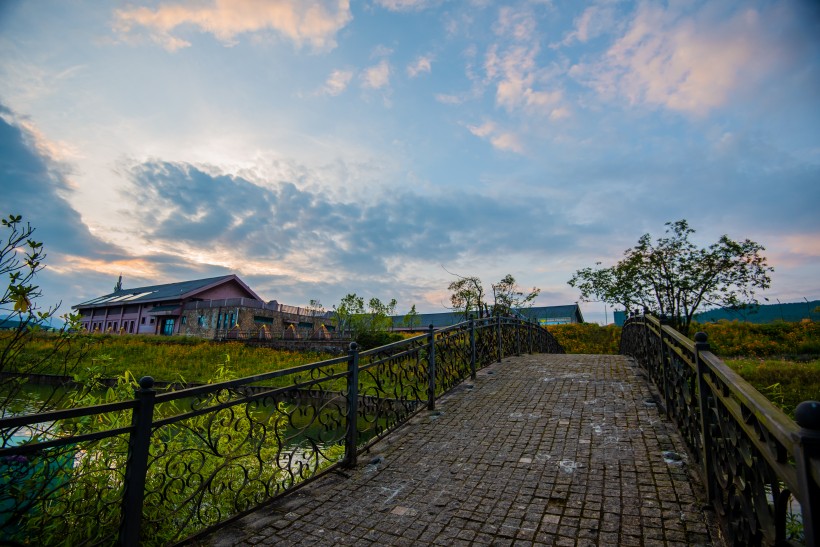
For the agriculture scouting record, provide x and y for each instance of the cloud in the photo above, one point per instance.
(35, 185)
(422, 64)
(594, 21)
(280, 229)
(377, 76)
(512, 65)
(689, 61)
(311, 22)
(502, 140)
(406, 5)
(337, 82)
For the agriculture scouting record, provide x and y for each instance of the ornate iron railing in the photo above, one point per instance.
(163, 467)
(754, 460)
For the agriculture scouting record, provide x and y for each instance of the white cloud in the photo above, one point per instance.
(422, 64)
(517, 76)
(337, 82)
(312, 22)
(593, 22)
(690, 62)
(515, 24)
(500, 139)
(406, 5)
(377, 76)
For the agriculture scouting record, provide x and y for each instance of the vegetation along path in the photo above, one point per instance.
(539, 449)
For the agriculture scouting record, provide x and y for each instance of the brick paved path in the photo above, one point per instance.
(538, 450)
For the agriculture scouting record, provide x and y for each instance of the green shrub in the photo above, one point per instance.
(589, 338)
(735, 339)
(369, 340)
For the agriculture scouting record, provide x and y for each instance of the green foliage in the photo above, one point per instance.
(412, 319)
(354, 318)
(785, 383)
(21, 259)
(673, 277)
(587, 338)
(164, 358)
(508, 297)
(467, 297)
(201, 470)
(368, 340)
(729, 339)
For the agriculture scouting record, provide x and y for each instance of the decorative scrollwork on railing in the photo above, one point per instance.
(163, 467)
(758, 466)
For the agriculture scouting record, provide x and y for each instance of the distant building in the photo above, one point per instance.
(215, 307)
(544, 315)
(766, 313)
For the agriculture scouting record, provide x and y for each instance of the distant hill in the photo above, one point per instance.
(12, 322)
(765, 313)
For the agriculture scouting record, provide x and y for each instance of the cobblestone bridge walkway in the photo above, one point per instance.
(538, 450)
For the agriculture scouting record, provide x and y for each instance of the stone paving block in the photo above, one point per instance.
(543, 450)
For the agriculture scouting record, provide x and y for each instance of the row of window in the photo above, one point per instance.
(112, 325)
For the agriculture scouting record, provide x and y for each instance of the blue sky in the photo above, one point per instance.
(320, 148)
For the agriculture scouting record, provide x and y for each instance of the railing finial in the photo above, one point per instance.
(807, 415)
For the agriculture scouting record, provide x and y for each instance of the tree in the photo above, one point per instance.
(468, 297)
(673, 277)
(352, 316)
(412, 319)
(509, 299)
(21, 258)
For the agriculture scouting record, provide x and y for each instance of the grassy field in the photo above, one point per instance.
(165, 358)
(781, 360)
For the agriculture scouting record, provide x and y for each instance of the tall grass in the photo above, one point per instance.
(167, 358)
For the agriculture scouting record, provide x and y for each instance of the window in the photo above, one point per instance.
(263, 320)
(143, 321)
(152, 321)
(131, 328)
(201, 320)
(182, 321)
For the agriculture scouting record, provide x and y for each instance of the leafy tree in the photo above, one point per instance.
(353, 317)
(468, 297)
(21, 259)
(412, 319)
(673, 277)
(509, 299)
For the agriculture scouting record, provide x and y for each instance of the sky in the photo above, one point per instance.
(382, 147)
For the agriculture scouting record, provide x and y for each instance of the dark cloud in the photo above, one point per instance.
(32, 185)
(181, 202)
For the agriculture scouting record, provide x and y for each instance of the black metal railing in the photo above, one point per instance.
(761, 469)
(166, 466)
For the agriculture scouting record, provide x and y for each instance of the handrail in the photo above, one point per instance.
(165, 467)
(753, 459)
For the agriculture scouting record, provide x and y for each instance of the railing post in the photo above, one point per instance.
(352, 431)
(431, 368)
(529, 336)
(704, 395)
(137, 463)
(518, 338)
(664, 369)
(498, 334)
(472, 347)
(807, 416)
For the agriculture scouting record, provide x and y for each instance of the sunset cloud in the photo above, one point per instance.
(304, 22)
(686, 61)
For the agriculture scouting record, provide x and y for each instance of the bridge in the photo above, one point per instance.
(480, 433)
